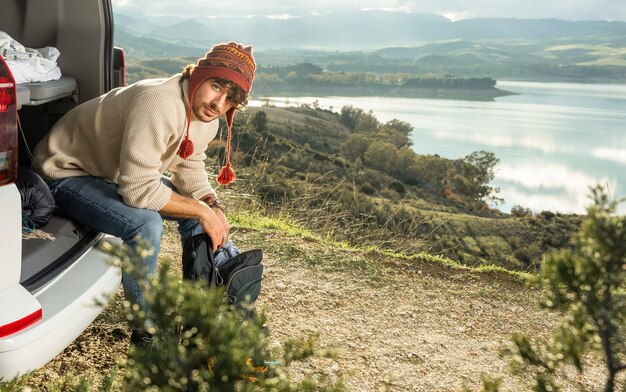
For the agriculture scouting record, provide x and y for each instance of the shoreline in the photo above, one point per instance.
(396, 92)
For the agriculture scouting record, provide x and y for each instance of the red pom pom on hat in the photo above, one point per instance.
(226, 174)
(186, 148)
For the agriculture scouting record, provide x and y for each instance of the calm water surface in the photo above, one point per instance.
(554, 140)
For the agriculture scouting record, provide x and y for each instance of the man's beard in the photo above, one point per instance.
(211, 106)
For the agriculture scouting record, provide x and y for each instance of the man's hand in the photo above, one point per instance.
(220, 214)
(212, 220)
(215, 205)
(214, 226)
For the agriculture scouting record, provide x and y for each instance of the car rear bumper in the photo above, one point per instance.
(70, 302)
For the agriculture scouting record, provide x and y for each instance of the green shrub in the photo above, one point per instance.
(585, 282)
(201, 342)
(520, 211)
(398, 187)
(15, 385)
(524, 255)
(368, 189)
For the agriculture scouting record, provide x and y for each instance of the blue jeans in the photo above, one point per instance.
(95, 203)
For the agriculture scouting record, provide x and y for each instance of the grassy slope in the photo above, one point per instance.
(380, 321)
(470, 236)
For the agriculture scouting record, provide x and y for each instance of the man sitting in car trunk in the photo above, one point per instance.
(104, 160)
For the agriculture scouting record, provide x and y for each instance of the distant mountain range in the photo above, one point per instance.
(359, 30)
(391, 42)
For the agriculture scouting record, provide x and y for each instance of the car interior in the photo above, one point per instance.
(86, 62)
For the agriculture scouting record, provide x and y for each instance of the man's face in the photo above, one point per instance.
(212, 100)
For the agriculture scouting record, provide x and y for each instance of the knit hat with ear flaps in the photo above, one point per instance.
(230, 61)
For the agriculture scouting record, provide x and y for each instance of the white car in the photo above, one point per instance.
(50, 290)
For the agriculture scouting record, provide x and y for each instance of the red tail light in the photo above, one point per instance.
(5, 98)
(8, 126)
(18, 325)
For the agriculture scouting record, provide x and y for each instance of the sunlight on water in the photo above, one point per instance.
(554, 140)
(611, 154)
(547, 186)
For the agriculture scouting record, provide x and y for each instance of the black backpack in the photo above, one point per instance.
(240, 276)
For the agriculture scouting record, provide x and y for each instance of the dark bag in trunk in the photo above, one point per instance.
(37, 201)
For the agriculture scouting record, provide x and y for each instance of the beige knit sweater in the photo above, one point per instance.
(130, 136)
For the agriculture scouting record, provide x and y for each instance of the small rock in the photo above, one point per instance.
(119, 333)
(281, 286)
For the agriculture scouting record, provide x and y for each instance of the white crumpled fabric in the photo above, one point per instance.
(29, 65)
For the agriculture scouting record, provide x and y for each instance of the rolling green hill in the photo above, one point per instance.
(315, 163)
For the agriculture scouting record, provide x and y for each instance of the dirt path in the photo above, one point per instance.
(390, 326)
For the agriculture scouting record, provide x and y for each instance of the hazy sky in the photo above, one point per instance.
(452, 9)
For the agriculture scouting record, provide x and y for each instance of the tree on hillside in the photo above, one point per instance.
(400, 126)
(429, 172)
(397, 132)
(349, 116)
(259, 121)
(358, 120)
(367, 122)
(381, 155)
(479, 173)
(355, 146)
(586, 281)
(292, 76)
(394, 137)
(403, 166)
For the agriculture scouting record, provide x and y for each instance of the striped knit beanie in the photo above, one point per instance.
(230, 61)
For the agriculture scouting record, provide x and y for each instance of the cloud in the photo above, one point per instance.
(533, 9)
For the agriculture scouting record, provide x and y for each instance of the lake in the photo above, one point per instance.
(554, 140)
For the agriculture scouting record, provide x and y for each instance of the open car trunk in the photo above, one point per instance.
(50, 290)
(82, 31)
(61, 241)
(44, 259)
